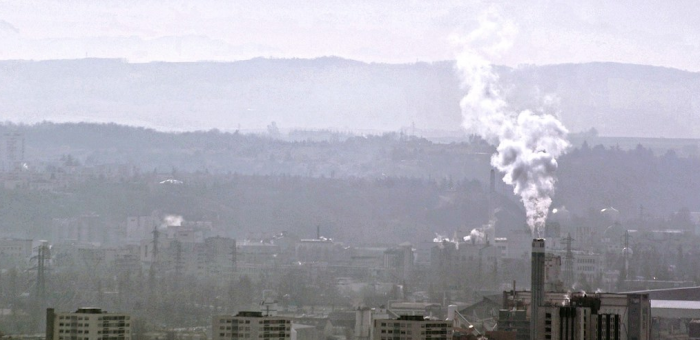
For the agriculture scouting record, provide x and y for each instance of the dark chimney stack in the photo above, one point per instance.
(536, 286)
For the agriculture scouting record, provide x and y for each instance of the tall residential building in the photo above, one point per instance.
(411, 327)
(251, 325)
(87, 324)
(13, 151)
(14, 251)
(140, 228)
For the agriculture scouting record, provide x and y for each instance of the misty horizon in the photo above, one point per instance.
(336, 94)
(378, 31)
(349, 170)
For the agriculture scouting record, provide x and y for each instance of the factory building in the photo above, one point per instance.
(556, 315)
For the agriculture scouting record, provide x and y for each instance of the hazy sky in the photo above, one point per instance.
(664, 33)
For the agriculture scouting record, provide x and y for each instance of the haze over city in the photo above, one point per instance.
(349, 170)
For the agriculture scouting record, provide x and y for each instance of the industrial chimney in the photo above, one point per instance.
(537, 286)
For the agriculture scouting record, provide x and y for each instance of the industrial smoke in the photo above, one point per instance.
(528, 141)
(172, 220)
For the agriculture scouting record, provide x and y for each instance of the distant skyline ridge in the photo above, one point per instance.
(339, 94)
(549, 31)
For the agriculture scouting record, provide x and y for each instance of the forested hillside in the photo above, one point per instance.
(365, 188)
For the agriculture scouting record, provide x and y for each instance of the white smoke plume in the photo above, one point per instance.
(529, 141)
(172, 220)
(476, 236)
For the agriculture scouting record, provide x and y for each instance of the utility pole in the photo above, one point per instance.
(178, 265)
(232, 284)
(43, 255)
(234, 266)
(626, 264)
(153, 268)
(568, 262)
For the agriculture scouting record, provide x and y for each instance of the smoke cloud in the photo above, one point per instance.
(172, 220)
(529, 141)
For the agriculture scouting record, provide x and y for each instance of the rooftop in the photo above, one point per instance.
(90, 310)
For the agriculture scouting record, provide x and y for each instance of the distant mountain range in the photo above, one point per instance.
(339, 94)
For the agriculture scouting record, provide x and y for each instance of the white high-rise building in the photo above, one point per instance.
(251, 325)
(410, 327)
(87, 324)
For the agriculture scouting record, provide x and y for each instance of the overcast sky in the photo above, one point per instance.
(663, 33)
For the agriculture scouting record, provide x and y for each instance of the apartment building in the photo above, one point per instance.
(411, 327)
(87, 324)
(251, 325)
(14, 251)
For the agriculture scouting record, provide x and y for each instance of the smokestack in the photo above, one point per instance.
(451, 311)
(492, 181)
(536, 286)
(318, 232)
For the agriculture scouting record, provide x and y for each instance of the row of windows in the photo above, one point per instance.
(281, 335)
(101, 338)
(406, 325)
(401, 338)
(235, 321)
(101, 318)
(103, 324)
(264, 322)
(247, 328)
(586, 268)
(2, 249)
(74, 331)
(397, 332)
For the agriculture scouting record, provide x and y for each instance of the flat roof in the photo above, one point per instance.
(675, 304)
(675, 309)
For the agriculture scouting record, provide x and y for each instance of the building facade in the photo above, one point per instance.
(251, 325)
(579, 316)
(87, 324)
(410, 327)
(14, 251)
